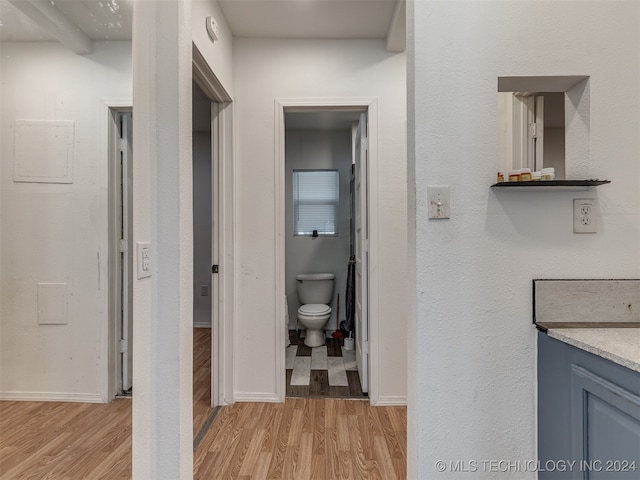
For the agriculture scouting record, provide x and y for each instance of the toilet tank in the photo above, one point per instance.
(315, 288)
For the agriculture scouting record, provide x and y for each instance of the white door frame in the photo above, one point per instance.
(369, 104)
(222, 186)
(111, 142)
(361, 250)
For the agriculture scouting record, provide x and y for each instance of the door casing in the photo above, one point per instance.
(222, 182)
(113, 107)
(370, 105)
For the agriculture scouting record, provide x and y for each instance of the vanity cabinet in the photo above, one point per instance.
(588, 415)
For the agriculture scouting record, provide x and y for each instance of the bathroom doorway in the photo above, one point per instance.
(325, 181)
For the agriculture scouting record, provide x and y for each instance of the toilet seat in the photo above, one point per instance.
(314, 310)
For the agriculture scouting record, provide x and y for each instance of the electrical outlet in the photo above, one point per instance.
(584, 215)
(143, 250)
(439, 201)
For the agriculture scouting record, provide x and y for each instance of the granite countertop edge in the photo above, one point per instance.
(619, 345)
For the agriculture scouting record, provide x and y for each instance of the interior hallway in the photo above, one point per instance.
(302, 438)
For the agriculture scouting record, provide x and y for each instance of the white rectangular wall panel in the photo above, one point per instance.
(52, 304)
(43, 151)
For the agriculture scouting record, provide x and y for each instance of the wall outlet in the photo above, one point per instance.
(584, 215)
(439, 201)
(143, 251)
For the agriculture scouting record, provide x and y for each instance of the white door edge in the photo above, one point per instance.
(110, 143)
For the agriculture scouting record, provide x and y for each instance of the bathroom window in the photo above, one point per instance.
(316, 195)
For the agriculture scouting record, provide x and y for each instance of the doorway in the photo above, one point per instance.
(357, 253)
(121, 247)
(213, 288)
(204, 230)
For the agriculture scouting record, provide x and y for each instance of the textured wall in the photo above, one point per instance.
(201, 227)
(58, 233)
(219, 53)
(472, 346)
(289, 69)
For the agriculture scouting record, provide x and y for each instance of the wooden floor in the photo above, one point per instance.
(201, 378)
(302, 438)
(305, 439)
(54, 440)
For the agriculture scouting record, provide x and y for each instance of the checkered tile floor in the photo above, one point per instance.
(326, 371)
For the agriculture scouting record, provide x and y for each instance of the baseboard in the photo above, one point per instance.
(51, 397)
(201, 324)
(398, 401)
(256, 397)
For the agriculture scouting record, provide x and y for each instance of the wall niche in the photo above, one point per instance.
(543, 122)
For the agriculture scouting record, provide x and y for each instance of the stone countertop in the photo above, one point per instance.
(620, 345)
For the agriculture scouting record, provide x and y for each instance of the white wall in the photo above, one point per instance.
(315, 149)
(201, 227)
(472, 346)
(162, 435)
(263, 71)
(219, 53)
(201, 114)
(58, 232)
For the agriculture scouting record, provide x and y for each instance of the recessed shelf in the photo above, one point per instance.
(551, 185)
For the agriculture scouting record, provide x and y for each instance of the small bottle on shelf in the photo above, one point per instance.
(514, 175)
(525, 174)
(548, 173)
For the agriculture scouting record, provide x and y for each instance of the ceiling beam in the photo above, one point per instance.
(397, 33)
(56, 22)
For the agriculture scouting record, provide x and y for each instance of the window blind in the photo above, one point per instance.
(316, 195)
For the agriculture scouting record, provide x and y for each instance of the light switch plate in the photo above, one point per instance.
(144, 259)
(439, 201)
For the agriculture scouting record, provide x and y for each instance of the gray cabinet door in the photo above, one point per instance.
(605, 427)
(588, 415)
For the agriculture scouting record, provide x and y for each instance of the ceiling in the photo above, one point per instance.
(94, 19)
(309, 18)
(21, 20)
(321, 120)
(78, 23)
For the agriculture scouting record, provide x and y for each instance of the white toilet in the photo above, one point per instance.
(315, 291)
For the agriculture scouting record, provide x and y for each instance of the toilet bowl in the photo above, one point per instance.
(315, 291)
(313, 318)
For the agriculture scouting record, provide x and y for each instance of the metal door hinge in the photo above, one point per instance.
(124, 346)
(533, 130)
(365, 347)
(123, 246)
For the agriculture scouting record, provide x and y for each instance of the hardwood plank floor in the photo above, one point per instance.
(305, 438)
(50, 440)
(302, 438)
(201, 378)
